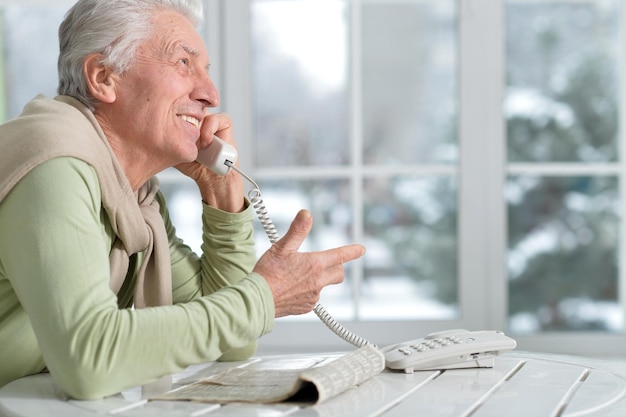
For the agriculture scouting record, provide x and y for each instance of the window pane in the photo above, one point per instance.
(411, 236)
(330, 204)
(403, 66)
(184, 204)
(562, 80)
(563, 253)
(328, 201)
(409, 81)
(299, 82)
(30, 51)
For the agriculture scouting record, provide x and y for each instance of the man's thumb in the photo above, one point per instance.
(298, 231)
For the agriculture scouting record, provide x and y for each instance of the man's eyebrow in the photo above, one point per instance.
(190, 50)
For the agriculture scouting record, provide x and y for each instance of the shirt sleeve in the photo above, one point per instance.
(228, 256)
(54, 249)
(228, 252)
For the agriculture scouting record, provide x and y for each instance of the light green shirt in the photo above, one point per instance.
(57, 311)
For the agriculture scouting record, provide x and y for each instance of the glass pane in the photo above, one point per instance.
(409, 80)
(411, 239)
(563, 253)
(330, 204)
(562, 80)
(328, 201)
(185, 207)
(300, 90)
(30, 51)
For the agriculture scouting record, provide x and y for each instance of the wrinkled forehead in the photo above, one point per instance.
(173, 32)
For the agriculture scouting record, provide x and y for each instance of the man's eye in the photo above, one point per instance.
(184, 61)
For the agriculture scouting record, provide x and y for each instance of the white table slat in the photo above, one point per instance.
(167, 408)
(250, 410)
(537, 389)
(455, 391)
(597, 392)
(33, 394)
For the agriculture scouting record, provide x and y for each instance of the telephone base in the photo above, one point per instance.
(452, 349)
(479, 363)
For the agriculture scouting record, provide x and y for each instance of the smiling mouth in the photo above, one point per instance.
(191, 120)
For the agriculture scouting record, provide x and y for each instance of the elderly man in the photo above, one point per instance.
(95, 287)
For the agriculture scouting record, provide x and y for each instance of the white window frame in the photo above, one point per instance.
(483, 285)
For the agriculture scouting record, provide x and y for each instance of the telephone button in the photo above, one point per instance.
(445, 333)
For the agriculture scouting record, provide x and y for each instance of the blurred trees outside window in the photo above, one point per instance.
(563, 191)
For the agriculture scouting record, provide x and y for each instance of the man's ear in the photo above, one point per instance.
(100, 79)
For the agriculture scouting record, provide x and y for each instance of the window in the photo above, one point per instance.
(563, 184)
(29, 53)
(368, 132)
(473, 147)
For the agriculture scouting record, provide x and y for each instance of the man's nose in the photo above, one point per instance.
(206, 92)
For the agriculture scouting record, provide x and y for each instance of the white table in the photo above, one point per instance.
(520, 384)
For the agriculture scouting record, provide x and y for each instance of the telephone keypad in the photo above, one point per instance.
(431, 344)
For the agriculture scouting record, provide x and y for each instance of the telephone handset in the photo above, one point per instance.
(457, 348)
(216, 156)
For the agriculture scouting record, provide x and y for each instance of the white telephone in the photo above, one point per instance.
(450, 349)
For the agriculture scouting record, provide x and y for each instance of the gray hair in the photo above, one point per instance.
(113, 28)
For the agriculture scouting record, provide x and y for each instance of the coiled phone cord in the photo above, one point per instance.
(270, 229)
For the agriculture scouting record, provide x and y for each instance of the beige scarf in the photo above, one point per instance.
(49, 129)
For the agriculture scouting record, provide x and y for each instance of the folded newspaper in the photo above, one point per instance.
(312, 385)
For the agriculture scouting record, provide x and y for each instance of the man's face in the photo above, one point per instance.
(160, 102)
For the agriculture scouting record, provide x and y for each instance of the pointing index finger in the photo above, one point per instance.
(343, 254)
